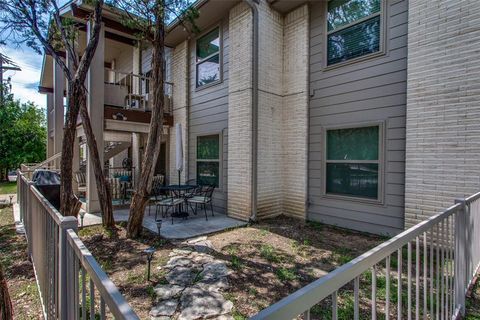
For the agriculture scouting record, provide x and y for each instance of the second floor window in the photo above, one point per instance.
(208, 58)
(353, 29)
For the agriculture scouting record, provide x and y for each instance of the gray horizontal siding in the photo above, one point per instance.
(365, 91)
(208, 114)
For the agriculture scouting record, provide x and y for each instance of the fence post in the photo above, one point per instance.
(64, 289)
(460, 257)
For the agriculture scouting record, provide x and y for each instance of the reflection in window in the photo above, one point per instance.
(208, 160)
(208, 58)
(352, 162)
(353, 29)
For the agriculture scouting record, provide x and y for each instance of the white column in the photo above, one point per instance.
(95, 104)
(136, 162)
(58, 107)
(50, 125)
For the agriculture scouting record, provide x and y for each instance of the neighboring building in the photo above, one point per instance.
(362, 113)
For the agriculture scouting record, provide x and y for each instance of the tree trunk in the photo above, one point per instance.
(152, 149)
(67, 198)
(103, 187)
(6, 311)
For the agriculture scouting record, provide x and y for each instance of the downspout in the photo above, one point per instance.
(253, 5)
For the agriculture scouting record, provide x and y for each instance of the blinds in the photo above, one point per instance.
(347, 39)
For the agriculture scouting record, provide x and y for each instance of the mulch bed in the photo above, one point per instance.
(270, 260)
(18, 269)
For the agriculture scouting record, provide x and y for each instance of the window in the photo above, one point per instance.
(352, 162)
(353, 29)
(208, 160)
(208, 58)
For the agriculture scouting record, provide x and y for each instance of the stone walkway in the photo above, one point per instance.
(195, 284)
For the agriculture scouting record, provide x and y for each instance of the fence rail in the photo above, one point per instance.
(64, 267)
(424, 271)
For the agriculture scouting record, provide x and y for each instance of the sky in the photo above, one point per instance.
(25, 82)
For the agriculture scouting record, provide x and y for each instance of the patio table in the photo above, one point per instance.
(179, 190)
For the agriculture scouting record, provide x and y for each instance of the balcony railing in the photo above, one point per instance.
(133, 91)
(71, 283)
(424, 272)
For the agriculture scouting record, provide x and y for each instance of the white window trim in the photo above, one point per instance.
(383, 38)
(381, 163)
(220, 58)
(220, 156)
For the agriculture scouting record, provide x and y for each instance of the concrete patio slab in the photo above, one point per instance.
(194, 226)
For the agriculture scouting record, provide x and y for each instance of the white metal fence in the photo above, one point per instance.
(67, 274)
(423, 272)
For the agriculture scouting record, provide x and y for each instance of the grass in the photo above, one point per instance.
(8, 187)
(473, 304)
(18, 270)
(268, 253)
(286, 274)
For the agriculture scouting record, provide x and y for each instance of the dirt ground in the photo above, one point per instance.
(270, 260)
(19, 271)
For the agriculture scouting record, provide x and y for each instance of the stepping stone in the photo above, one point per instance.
(178, 261)
(164, 308)
(197, 303)
(167, 291)
(216, 285)
(203, 246)
(213, 271)
(201, 258)
(180, 252)
(195, 240)
(182, 276)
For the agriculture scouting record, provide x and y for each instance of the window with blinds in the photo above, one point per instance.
(353, 29)
(353, 162)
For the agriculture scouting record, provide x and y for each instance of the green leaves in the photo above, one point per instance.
(23, 135)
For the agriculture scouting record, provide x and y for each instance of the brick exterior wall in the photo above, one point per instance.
(282, 112)
(240, 112)
(270, 115)
(295, 112)
(179, 78)
(443, 113)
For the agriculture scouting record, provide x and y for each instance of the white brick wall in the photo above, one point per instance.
(295, 112)
(282, 112)
(270, 117)
(239, 112)
(179, 71)
(443, 113)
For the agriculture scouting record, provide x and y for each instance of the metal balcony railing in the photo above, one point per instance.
(71, 282)
(133, 91)
(423, 272)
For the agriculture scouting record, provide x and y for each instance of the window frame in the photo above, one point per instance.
(219, 160)
(380, 200)
(382, 41)
(220, 57)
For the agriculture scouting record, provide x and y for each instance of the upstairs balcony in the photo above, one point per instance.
(128, 97)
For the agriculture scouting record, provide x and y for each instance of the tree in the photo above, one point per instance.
(23, 136)
(151, 18)
(28, 22)
(6, 310)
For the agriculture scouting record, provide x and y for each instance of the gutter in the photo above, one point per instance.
(253, 5)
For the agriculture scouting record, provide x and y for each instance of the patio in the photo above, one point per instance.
(194, 226)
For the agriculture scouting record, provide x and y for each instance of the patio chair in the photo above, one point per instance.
(157, 183)
(195, 191)
(165, 203)
(81, 179)
(203, 199)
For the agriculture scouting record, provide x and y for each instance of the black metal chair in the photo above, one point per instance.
(165, 203)
(203, 199)
(157, 183)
